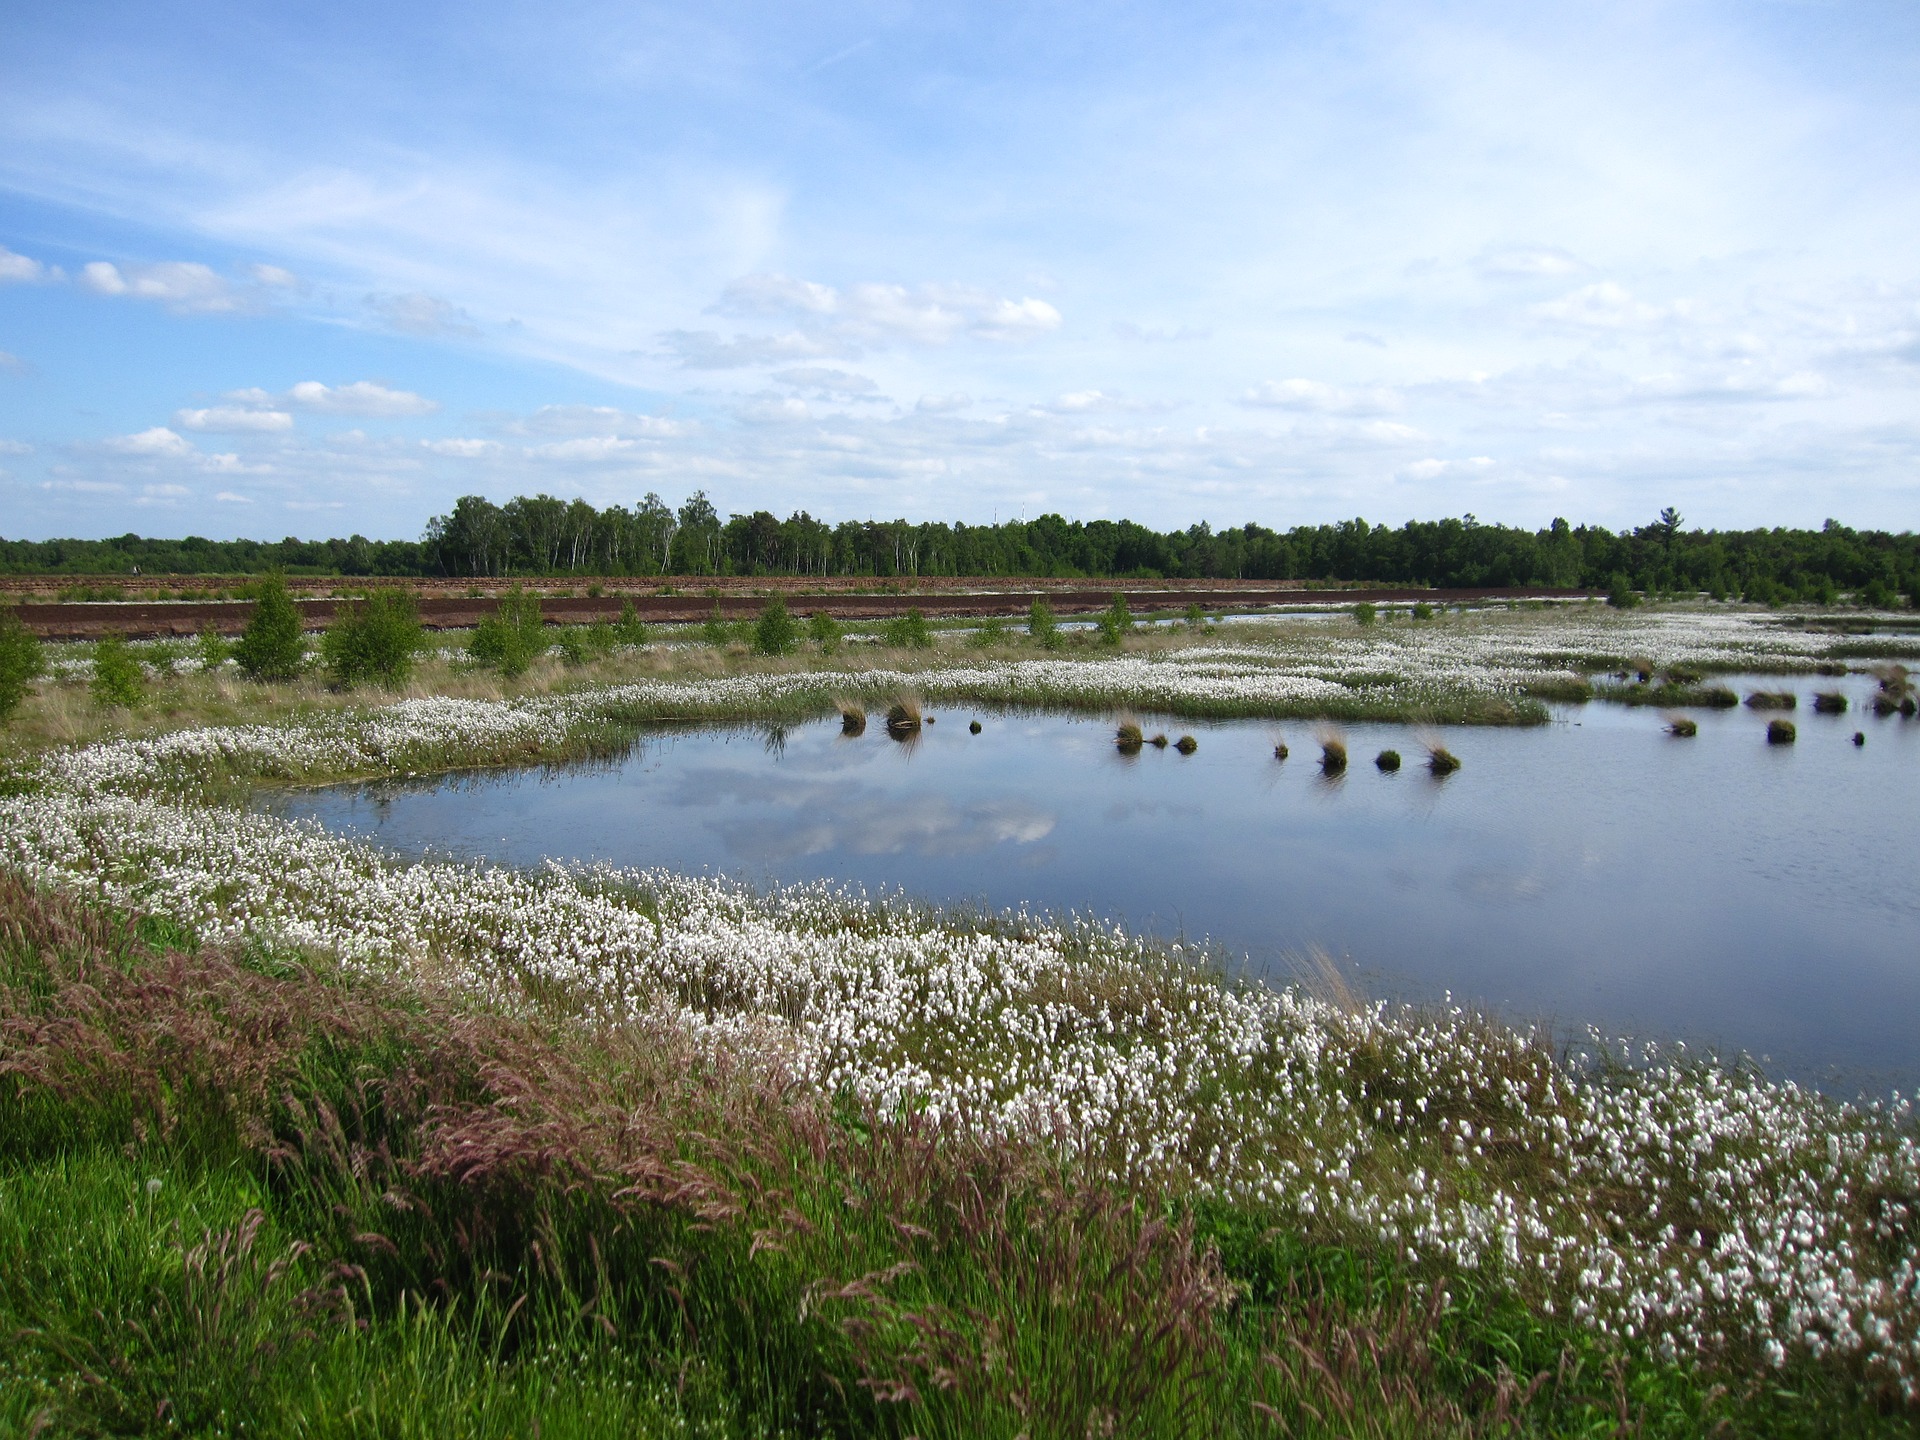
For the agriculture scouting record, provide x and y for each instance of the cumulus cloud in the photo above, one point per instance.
(361, 397)
(827, 380)
(1319, 397)
(875, 314)
(598, 420)
(154, 443)
(1526, 262)
(183, 286)
(234, 419)
(709, 350)
(461, 448)
(772, 409)
(417, 313)
(1603, 306)
(20, 270)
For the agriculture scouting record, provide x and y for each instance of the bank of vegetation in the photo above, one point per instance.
(541, 535)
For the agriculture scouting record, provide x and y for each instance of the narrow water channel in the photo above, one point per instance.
(1596, 871)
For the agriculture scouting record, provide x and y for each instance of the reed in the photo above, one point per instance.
(1780, 732)
(1682, 726)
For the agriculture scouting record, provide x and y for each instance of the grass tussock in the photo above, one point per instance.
(1781, 732)
(1773, 700)
(904, 716)
(1333, 751)
(1667, 696)
(1829, 702)
(1440, 760)
(1127, 735)
(1387, 761)
(853, 717)
(1683, 727)
(1186, 744)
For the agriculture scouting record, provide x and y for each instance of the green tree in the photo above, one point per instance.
(630, 629)
(775, 634)
(213, 650)
(1364, 613)
(119, 680)
(512, 638)
(824, 630)
(1620, 592)
(271, 648)
(20, 661)
(374, 638)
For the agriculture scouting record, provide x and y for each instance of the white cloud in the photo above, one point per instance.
(151, 494)
(233, 418)
(1316, 395)
(19, 270)
(229, 497)
(15, 447)
(876, 314)
(184, 286)
(708, 350)
(1433, 468)
(587, 448)
(770, 409)
(1527, 262)
(943, 404)
(1603, 306)
(361, 397)
(159, 441)
(421, 314)
(827, 380)
(598, 420)
(229, 463)
(462, 449)
(1388, 432)
(273, 277)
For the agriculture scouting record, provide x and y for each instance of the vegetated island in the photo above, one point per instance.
(350, 1144)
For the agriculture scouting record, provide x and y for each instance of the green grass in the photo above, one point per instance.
(243, 1194)
(1672, 697)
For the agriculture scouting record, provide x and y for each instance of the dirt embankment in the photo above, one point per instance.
(144, 618)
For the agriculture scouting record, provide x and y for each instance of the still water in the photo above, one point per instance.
(1596, 871)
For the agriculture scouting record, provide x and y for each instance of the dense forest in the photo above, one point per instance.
(541, 535)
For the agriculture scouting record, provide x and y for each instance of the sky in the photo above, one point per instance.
(320, 270)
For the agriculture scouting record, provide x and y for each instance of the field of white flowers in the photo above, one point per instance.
(1673, 1204)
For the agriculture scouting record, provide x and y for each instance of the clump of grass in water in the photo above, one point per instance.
(853, 717)
(1159, 742)
(1829, 702)
(1773, 700)
(973, 727)
(1186, 744)
(1279, 748)
(1440, 760)
(1780, 732)
(1859, 738)
(1387, 760)
(1333, 752)
(1895, 693)
(1127, 736)
(903, 716)
(1681, 726)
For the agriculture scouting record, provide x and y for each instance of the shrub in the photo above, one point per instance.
(775, 633)
(990, 634)
(510, 639)
(630, 629)
(716, 632)
(1041, 625)
(214, 651)
(1422, 610)
(271, 647)
(574, 644)
(909, 631)
(1119, 615)
(1620, 592)
(1196, 617)
(20, 661)
(373, 639)
(118, 680)
(824, 631)
(1364, 613)
(1878, 595)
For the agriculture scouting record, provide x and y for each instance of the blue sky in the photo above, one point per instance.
(313, 273)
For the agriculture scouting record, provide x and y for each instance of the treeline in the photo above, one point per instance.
(542, 535)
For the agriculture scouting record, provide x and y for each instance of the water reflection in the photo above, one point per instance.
(1596, 870)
